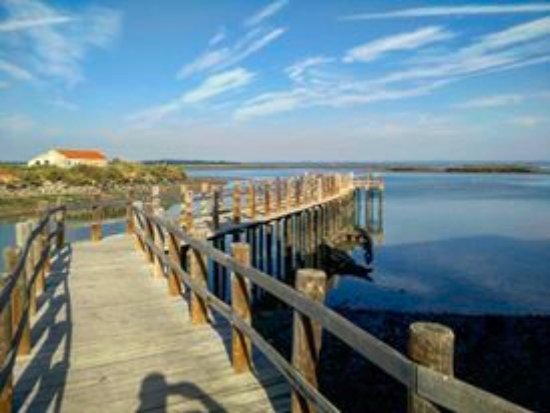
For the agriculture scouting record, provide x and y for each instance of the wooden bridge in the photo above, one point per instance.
(160, 318)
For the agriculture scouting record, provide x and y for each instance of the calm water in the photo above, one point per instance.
(450, 243)
(464, 243)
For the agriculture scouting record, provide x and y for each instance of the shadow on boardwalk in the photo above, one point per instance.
(52, 332)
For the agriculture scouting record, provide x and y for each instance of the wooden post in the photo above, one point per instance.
(216, 209)
(241, 305)
(306, 339)
(237, 203)
(155, 198)
(6, 331)
(278, 196)
(19, 297)
(158, 266)
(130, 223)
(188, 219)
(183, 205)
(430, 345)
(174, 253)
(60, 226)
(288, 194)
(95, 228)
(251, 199)
(198, 272)
(30, 264)
(267, 199)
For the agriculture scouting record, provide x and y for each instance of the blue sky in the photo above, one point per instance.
(280, 80)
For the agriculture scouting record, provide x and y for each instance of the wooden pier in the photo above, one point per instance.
(160, 318)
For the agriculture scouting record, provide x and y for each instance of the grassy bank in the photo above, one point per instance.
(22, 188)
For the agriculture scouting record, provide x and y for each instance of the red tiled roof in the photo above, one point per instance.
(82, 154)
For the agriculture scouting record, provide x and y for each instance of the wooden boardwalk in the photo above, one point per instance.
(108, 338)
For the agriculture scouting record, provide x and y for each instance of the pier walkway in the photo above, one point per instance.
(109, 339)
(161, 318)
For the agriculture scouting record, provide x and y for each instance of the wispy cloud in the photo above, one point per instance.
(53, 49)
(313, 83)
(23, 24)
(528, 121)
(15, 71)
(502, 100)
(266, 12)
(403, 41)
(218, 84)
(218, 37)
(463, 10)
(213, 86)
(224, 57)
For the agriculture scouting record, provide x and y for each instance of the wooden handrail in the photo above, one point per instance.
(459, 396)
(15, 275)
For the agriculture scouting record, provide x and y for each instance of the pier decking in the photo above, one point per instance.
(109, 339)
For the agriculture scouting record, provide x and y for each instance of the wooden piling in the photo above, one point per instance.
(96, 227)
(237, 203)
(216, 209)
(6, 330)
(174, 254)
(251, 200)
(158, 266)
(306, 338)
(241, 306)
(430, 345)
(278, 196)
(198, 272)
(267, 199)
(130, 223)
(19, 297)
(60, 226)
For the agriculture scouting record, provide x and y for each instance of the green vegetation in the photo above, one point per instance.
(115, 174)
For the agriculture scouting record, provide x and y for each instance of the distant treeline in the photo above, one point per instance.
(435, 167)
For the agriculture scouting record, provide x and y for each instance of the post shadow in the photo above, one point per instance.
(51, 378)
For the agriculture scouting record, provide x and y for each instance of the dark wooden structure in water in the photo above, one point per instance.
(160, 318)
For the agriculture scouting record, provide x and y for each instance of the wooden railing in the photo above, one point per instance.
(27, 266)
(167, 246)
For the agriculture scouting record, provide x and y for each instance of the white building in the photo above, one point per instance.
(66, 158)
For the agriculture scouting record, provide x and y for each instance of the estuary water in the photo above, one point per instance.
(456, 243)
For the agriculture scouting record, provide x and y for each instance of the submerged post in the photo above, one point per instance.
(241, 305)
(306, 340)
(430, 345)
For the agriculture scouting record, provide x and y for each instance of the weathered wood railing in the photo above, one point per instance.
(427, 374)
(27, 266)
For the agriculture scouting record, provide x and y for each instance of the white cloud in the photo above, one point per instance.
(463, 10)
(528, 121)
(213, 86)
(58, 50)
(266, 12)
(15, 71)
(23, 24)
(297, 70)
(270, 103)
(403, 41)
(218, 37)
(502, 100)
(218, 84)
(218, 59)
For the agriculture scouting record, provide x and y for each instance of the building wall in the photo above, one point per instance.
(54, 158)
